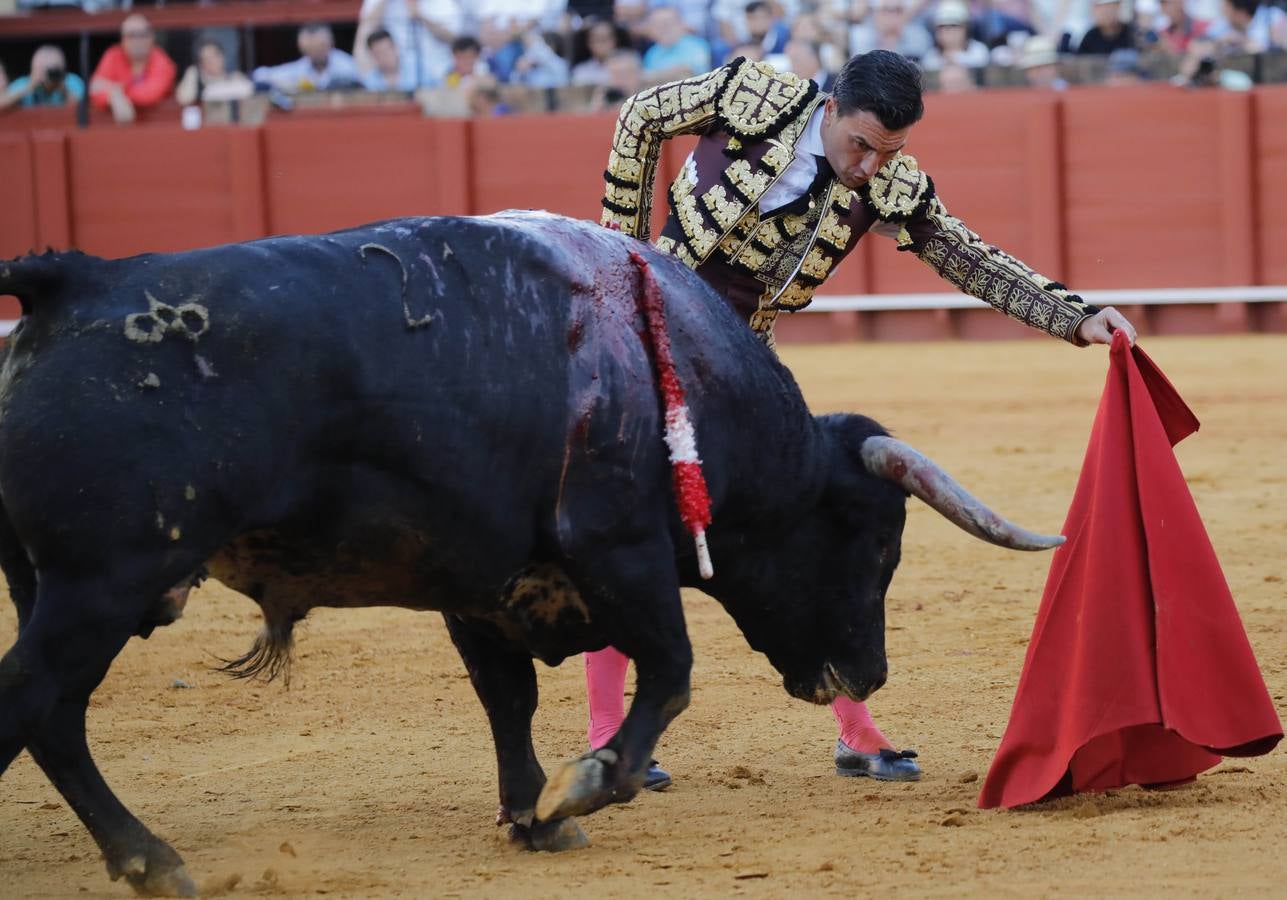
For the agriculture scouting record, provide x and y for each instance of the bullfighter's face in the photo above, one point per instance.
(857, 145)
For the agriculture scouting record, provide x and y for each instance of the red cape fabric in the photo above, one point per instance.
(1138, 671)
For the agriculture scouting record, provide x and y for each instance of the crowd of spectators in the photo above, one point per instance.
(479, 49)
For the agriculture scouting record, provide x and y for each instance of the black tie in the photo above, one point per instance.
(820, 182)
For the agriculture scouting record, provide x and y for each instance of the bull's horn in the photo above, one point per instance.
(921, 477)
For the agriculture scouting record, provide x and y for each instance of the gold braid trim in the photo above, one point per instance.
(647, 119)
(981, 270)
(760, 101)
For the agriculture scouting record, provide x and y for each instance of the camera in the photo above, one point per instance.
(55, 75)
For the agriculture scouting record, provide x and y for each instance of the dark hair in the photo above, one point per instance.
(380, 34)
(756, 6)
(581, 38)
(315, 27)
(211, 42)
(465, 42)
(883, 83)
(1246, 6)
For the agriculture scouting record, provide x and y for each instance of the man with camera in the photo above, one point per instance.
(49, 84)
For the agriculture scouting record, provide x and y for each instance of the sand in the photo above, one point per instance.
(373, 775)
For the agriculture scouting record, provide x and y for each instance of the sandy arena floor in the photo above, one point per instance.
(373, 776)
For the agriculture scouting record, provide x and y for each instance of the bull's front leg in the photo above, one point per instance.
(505, 681)
(636, 590)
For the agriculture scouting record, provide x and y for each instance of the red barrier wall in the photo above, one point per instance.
(1101, 188)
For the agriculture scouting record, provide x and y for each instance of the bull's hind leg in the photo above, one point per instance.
(62, 654)
(634, 592)
(505, 681)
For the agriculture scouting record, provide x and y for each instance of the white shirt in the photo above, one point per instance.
(802, 170)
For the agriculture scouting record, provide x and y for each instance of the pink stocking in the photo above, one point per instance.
(605, 688)
(856, 726)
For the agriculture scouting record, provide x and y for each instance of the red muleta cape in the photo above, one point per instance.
(1138, 671)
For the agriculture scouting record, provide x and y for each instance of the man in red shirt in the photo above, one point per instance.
(134, 73)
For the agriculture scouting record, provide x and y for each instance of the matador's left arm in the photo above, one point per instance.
(903, 198)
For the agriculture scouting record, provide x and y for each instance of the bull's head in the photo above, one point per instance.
(808, 590)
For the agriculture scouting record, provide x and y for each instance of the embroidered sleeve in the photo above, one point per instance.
(904, 197)
(647, 119)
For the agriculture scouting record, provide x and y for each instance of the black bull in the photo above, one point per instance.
(441, 414)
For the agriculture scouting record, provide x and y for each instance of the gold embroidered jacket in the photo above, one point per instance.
(750, 117)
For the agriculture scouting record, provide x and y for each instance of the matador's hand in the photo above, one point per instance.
(1099, 328)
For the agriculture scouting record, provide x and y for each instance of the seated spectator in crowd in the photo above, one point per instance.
(133, 74)
(1040, 64)
(485, 100)
(539, 65)
(501, 48)
(833, 41)
(889, 27)
(1002, 23)
(380, 62)
(209, 78)
(422, 30)
(765, 28)
(594, 45)
(466, 62)
(49, 84)
(625, 79)
(1124, 68)
(952, 41)
(321, 67)
(754, 52)
(804, 58)
(1201, 68)
(954, 78)
(1178, 29)
(1250, 26)
(675, 52)
(1109, 32)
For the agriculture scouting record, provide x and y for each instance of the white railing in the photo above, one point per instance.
(1149, 297)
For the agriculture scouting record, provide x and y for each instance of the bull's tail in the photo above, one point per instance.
(270, 655)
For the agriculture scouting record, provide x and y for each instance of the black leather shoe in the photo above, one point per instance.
(657, 779)
(887, 765)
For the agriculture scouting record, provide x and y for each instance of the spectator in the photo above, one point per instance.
(539, 65)
(1040, 64)
(1201, 68)
(1124, 68)
(1000, 24)
(133, 74)
(210, 79)
(765, 29)
(321, 67)
(4, 77)
(49, 84)
(675, 53)
(952, 41)
(1178, 29)
(954, 78)
(595, 44)
(520, 14)
(805, 59)
(754, 52)
(501, 48)
(380, 63)
(890, 28)
(625, 79)
(1109, 32)
(466, 62)
(1250, 27)
(422, 30)
(485, 100)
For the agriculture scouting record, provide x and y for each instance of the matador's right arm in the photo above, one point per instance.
(648, 118)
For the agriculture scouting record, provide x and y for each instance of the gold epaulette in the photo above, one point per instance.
(899, 191)
(759, 101)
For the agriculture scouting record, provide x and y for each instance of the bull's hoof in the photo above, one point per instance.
(578, 787)
(157, 873)
(551, 837)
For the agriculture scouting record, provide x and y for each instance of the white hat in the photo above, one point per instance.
(1038, 50)
(952, 12)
